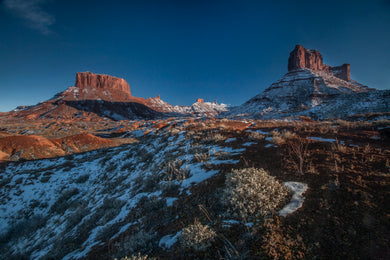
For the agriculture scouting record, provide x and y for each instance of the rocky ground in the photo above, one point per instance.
(161, 188)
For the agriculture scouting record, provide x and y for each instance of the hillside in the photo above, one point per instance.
(103, 204)
(312, 88)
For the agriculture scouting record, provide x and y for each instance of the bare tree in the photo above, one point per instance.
(297, 149)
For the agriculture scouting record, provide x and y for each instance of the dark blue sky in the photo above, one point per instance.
(182, 50)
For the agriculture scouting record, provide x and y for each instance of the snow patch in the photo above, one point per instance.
(320, 139)
(230, 140)
(168, 241)
(170, 201)
(297, 188)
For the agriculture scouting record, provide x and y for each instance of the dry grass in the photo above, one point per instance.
(281, 138)
(278, 245)
(338, 147)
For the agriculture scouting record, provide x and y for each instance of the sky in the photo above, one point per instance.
(227, 51)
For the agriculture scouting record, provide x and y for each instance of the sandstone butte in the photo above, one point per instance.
(91, 86)
(301, 58)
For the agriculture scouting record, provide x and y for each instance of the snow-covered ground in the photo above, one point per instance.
(88, 197)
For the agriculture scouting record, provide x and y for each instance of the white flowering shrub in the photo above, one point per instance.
(197, 236)
(252, 193)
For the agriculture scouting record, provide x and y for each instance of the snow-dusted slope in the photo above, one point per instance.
(308, 92)
(62, 208)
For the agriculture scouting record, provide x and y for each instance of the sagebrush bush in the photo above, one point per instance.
(201, 157)
(136, 242)
(252, 193)
(280, 138)
(255, 136)
(197, 236)
(175, 171)
(214, 138)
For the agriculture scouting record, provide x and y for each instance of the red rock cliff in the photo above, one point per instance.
(301, 58)
(105, 87)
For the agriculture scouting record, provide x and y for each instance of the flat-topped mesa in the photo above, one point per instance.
(92, 86)
(301, 58)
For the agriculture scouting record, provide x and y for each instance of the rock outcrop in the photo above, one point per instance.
(97, 96)
(301, 58)
(312, 88)
(91, 86)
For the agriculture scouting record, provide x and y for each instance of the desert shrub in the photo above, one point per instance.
(45, 178)
(111, 208)
(108, 231)
(19, 180)
(280, 138)
(104, 160)
(148, 183)
(22, 228)
(214, 138)
(175, 171)
(169, 189)
(197, 236)
(69, 164)
(201, 157)
(253, 193)
(5, 181)
(255, 136)
(140, 241)
(63, 202)
(145, 155)
(149, 204)
(77, 216)
(33, 204)
(174, 131)
(222, 155)
(82, 178)
(128, 166)
(111, 167)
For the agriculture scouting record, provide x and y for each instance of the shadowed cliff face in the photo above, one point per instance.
(117, 110)
(301, 58)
